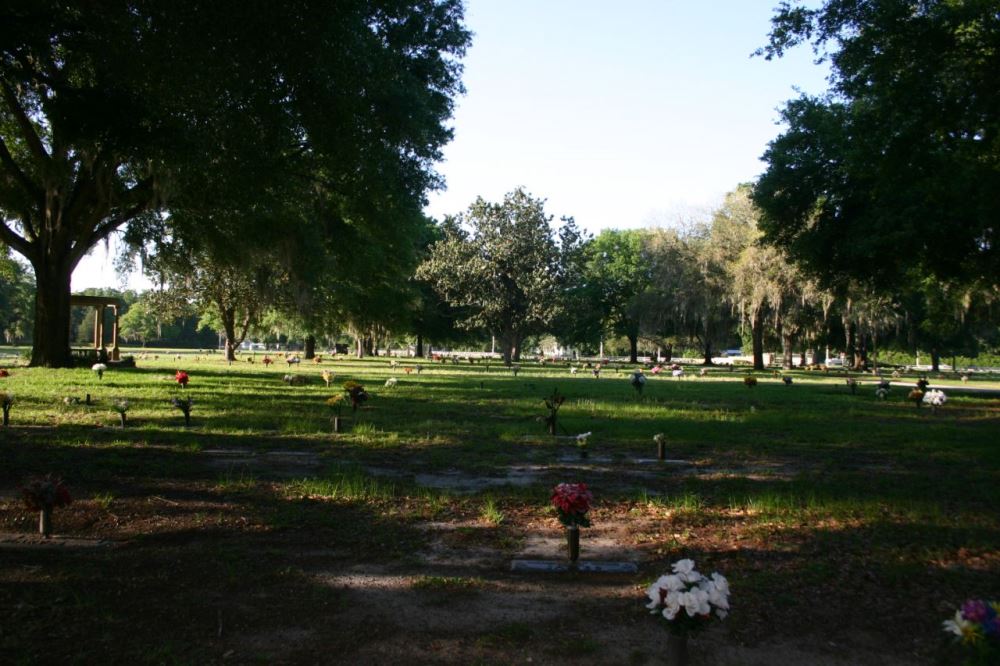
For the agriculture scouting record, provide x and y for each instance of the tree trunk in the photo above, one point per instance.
(633, 348)
(757, 340)
(787, 350)
(50, 337)
(861, 354)
(228, 316)
(668, 353)
(851, 343)
(310, 350)
(359, 346)
(707, 353)
(420, 346)
(935, 359)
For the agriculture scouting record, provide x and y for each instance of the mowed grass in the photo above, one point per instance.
(797, 493)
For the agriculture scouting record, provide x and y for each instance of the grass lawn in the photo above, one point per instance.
(849, 528)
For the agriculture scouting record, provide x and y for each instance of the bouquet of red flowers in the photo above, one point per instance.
(182, 378)
(572, 502)
(356, 392)
(47, 493)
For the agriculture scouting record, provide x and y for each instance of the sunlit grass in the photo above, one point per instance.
(342, 483)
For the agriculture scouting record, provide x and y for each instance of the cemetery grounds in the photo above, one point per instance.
(849, 528)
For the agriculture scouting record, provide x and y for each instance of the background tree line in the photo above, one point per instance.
(503, 275)
(289, 205)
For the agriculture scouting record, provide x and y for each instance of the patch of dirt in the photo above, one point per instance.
(277, 464)
(10, 540)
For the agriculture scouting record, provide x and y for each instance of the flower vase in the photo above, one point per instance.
(677, 649)
(573, 542)
(335, 421)
(661, 450)
(45, 522)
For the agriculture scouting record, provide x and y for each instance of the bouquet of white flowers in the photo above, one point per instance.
(934, 398)
(687, 598)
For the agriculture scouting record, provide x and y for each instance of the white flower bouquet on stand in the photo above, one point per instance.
(687, 599)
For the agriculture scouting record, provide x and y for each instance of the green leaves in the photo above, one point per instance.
(502, 264)
(897, 167)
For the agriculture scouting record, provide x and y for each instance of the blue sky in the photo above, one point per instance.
(621, 114)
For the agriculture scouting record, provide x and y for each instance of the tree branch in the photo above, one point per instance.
(85, 241)
(15, 240)
(30, 135)
(33, 190)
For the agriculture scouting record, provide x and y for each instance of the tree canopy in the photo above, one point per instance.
(894, 172)
(223, 112)
(505, 270)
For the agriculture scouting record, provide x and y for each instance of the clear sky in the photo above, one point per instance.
(621, 114)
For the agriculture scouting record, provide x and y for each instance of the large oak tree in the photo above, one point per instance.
(109, 111)
(894, 174)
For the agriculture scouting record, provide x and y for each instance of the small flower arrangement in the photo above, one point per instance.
(916, 396)
(596, 371)
(553, 403)
(638, 381)
(267, 360)
(687, 598)
(977, 626)
(336, 402)
(679, 372)
(787, 380)
(922, 384)
(881, 393)
(356, 393)
(182, 378)
(121, 406)
(934, 398)
(47, 493)
(99, 369)
(6, 402)
(572, 502)
(183, 404)
(391, 382)
(4, 373)
(581, 440)
(327, 377)
(573, 370)
(655, 370)
(44, 495)
(750, 381)
(852, 384)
